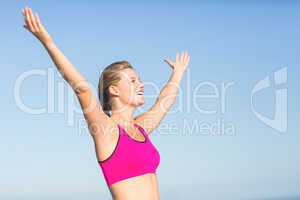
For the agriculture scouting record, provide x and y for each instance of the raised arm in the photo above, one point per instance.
(97, 120)
(167, 97)
(65, 67)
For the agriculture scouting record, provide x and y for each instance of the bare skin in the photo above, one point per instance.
(126, 96)
(140, 187)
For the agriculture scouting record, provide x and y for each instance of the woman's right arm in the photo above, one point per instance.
(98, 121)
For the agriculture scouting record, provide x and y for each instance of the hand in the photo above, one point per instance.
(182, 61)
(34, 25)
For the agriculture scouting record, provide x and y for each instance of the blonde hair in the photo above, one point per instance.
(110, 76)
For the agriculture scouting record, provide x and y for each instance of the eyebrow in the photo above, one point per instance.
(133, 77)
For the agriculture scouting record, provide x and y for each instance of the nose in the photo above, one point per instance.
(142, 86)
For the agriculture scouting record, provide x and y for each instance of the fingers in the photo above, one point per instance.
(182, 60)
(27, 19)
(33, 20)
(30, 20)
(183, 57)
(25, 26)
(38, 21)
(177, 57)
(169, 62)
(186, 57)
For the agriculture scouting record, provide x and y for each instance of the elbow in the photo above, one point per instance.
(167, 103)
(81, 87)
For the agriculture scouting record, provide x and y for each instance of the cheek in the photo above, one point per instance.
(127, 93)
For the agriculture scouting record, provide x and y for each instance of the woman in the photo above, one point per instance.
(124, 151)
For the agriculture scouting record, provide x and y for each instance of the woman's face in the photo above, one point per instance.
(131, 88)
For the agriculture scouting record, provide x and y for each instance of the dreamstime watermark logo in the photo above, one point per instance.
(280, 119)
(188, 101)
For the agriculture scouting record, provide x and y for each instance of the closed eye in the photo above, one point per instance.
(133, 79)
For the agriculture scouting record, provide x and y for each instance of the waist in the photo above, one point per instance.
(135, 188)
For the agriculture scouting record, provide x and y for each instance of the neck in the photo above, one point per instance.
(123, 115)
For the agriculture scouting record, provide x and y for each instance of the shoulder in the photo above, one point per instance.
(143, 126)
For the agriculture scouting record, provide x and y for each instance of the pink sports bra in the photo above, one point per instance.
(130, 158)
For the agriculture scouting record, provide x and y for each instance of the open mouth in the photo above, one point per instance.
(140, 93)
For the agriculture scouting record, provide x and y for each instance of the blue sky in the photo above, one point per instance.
(49, 155)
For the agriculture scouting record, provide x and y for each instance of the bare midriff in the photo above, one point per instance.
(136, 188)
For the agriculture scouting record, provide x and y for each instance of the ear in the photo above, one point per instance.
(113, 90)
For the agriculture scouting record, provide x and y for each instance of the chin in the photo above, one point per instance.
(140, 103)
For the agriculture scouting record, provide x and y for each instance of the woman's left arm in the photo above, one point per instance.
(167, 97)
